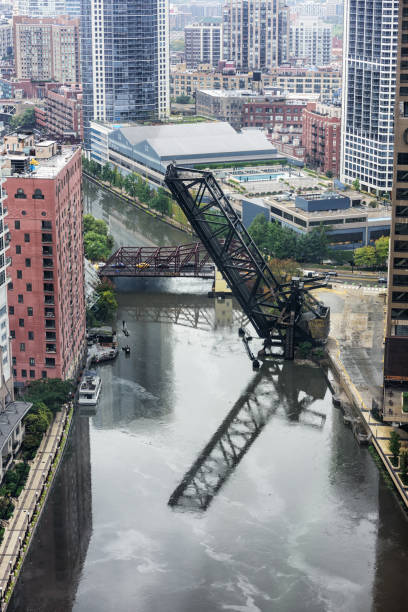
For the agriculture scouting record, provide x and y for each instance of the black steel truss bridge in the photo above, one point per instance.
(281, 313)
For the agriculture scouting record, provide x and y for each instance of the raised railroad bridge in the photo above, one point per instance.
(187, 260)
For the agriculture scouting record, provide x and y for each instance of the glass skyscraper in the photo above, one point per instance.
(125, 61)
(369, 64)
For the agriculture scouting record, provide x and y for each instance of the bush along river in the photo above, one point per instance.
(280, 509)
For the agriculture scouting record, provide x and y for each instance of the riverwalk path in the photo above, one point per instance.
(20, 527)
(356, 350)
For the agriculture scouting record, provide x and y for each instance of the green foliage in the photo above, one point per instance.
(97, 242)
(105, 306)
(281, 242)
(305, 349)
(356, 184)
(91, 167)
(14, 480)
(329, 174)
(365, 257)
(394, 444)
(161, 202)
(6, 508)
(184, 100)
(53, 392)
(382, 246)
(23, 121)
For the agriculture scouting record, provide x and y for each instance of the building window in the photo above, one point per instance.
(50, 362)
(28, 262)
(32, 361)
(47, 263)
(19, 274)
(12, 333)
(26, 237)
(14, 360)
(11, 310)
(46, 238)
(24, 373)
(38, 194)
(18, 249)
(20, 298)
(20, 194)
(49, 287)
(32, 373)
(16, 224)
(14, 372)
(31, 335)
(22, 347)
(21, 322)
(10, 287)
(46, 225)
(48, 274)
(49, 335)
(44, 374)
(47, 250)
(29, 287)
(30, 311)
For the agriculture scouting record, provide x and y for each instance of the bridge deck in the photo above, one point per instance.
(189, 260)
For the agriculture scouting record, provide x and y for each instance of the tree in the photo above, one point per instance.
(382, 246)
(23, 121)
(365, 257)
(161, 201)
(183, 99)
(106, 173)
(95, 247)
(394, 445)
(329, 174)
(106, 304)
(356, 184)
(283, 269)
(53, 392)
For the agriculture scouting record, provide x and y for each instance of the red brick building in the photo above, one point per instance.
(63, 111)
(269, 113)
(321, 137)
(46, 293)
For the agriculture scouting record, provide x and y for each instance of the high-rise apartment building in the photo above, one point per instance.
(125, 60)
(40, 8)
(396, 343)
(47, 48)
(251, 33)
(203, 44)
(46, 293)
(369, 63)
(310, 39)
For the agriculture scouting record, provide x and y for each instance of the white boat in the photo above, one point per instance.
(89, 389)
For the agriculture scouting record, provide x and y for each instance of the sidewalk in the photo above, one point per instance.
(27, 507)
(356, 349)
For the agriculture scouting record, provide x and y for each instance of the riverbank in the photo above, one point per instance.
(355, 350)
(20, 528)
(134, 202)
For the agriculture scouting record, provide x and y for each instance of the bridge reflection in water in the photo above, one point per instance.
(274, 389)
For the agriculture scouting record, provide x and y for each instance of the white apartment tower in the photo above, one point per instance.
(203, 44)
(369, 68)
(311, 40)
(251, 32)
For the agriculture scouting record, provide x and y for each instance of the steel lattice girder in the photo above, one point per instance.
(271, 307)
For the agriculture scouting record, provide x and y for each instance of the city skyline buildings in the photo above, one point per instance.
(369, 64)
(124, 60)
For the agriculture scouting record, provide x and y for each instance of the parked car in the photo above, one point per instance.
(382, 280)
(142, 265)
(332, 273)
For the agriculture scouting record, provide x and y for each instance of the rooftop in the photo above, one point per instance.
(11, 416)
(381, 213)
(43, 168)
(197, 139)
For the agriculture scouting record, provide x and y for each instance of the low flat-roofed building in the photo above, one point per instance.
(147, 150)
(11, 432)
(348, 228)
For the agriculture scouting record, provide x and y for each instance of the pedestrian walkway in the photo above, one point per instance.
(27, 507)
(356, 349)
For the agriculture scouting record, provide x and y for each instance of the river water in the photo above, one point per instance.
(282, 510)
